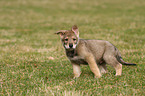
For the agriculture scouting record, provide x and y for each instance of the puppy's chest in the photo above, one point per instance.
(75, 58)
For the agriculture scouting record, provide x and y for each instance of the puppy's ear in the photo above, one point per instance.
(61, 33)
(75, 30)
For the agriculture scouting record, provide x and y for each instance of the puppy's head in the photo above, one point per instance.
(69, 38)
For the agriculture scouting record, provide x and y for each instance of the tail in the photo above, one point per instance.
(119, 58)
(123, 62)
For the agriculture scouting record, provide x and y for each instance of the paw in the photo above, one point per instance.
(99, 76)
(117, 74)
(103, 71)
(75, 77)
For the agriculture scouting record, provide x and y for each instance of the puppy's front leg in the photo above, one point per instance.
(93, 66)
(76, 70)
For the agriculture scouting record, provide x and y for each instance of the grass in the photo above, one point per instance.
(32, 59)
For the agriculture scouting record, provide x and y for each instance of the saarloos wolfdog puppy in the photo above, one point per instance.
(95, 53)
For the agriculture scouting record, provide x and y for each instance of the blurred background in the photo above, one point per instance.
(32, 59)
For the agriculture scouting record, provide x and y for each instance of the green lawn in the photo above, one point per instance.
(32, 59)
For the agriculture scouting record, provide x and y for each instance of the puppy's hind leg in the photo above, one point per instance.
(103, 68)
(118, 69)
(111, 60)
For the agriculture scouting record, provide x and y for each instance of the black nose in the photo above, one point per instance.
(70, 45)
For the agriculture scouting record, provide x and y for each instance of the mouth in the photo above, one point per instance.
(69, 48)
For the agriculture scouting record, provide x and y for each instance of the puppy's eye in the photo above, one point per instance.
(74, 39)
(66, 39)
